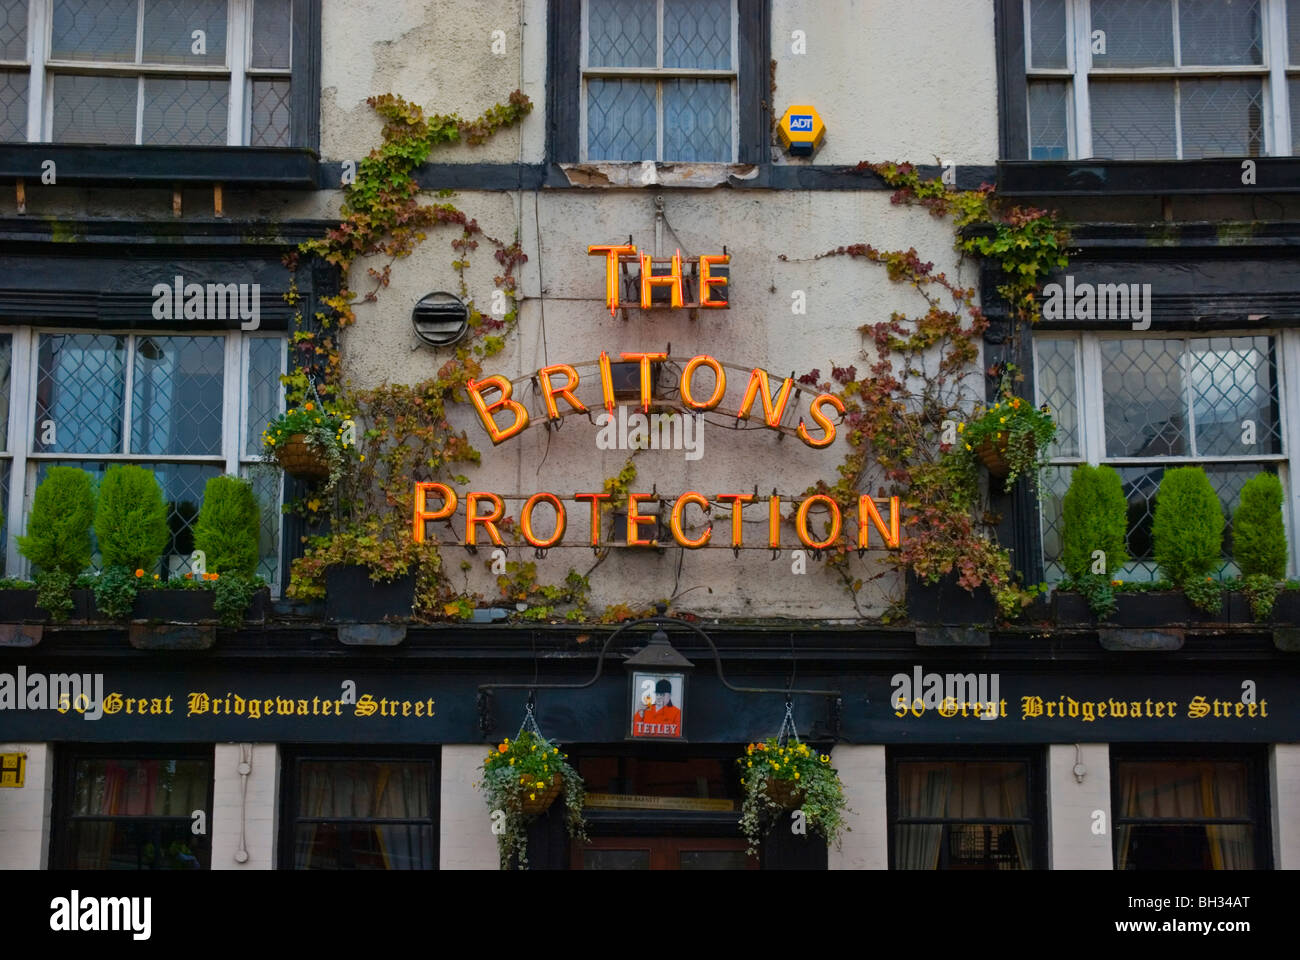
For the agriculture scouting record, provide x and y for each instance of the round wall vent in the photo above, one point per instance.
(440, 319)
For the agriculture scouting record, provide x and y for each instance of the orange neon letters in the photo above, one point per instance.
(485, 410)
(801, 522)
(869, 515)
(672, 280)
(550, 392)
(472, 519)
(676, 520)
(823, 421)
(422, 514)
(707, 279)
(645, 359)
(737, 508)
(634, 521)
(526, 520)
(611, 252)
(719, 382)
(773, 411)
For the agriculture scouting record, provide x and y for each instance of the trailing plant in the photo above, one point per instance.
(131, 518)
(403, 431)
(1016, 428)
(774, 776)
(324, 431)
(115, 592)
(1188, 526)
(232, 595)
(1094, 517)
(540, 601)
(1096, 589)
(897, 412)
(1262, 590)
(515, 774)
(1206, 594)
(54, 593)
(229, 526)
(1258, 535)
(58, 527)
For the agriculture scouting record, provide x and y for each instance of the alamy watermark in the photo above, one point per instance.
(213, 301)
(75, 913)
(1128, 302)
(81, 693)
(949, 694)
(655, 431)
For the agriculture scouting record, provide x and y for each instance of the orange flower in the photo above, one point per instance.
(307, 406)
(189, 576)
(139, 573)
(502, 747)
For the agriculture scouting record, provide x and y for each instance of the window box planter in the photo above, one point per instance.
(352, 597)
(946, 602)
(19, 606)
(174, 606)
(1286, 608)
(1071, 609)
(1153, 609)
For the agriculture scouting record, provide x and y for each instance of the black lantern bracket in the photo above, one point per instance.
(660, 652)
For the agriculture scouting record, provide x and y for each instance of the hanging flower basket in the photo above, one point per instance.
(993, 454)
(300, 459)
(521, 780)
(786, 794)
(544, 798)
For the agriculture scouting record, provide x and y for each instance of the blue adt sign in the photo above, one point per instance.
(801, 121)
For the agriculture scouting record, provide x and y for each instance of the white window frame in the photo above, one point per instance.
(234, 457)
(1091, 412)
(659, 74)
(1274, 73)
(237, 71)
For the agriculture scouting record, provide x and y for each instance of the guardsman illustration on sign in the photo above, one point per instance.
(660, 713)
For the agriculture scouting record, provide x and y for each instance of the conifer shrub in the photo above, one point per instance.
(58, 527)
(1188, 526)
(131, 519)
(1258, 536)
(228, 527)
(1094, 516)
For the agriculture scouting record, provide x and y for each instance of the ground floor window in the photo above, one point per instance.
(349, 811)
(133, 809)
(1192, 813)
(955, 813)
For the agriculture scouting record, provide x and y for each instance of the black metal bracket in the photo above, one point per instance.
(487, 724)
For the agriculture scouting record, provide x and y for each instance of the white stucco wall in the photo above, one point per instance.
(866, 844)
(1284, 799)
(258, 810)
(25, 810)
(1072, 808)
(465, 838)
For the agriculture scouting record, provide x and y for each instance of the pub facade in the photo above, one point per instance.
(622, 457)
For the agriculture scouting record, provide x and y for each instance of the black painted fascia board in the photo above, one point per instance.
(135, 166)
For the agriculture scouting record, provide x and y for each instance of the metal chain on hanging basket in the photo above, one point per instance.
(786, 793)
(541, 801)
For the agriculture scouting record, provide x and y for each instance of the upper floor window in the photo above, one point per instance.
(161, 72)
(1143, 404)
(659, 80)
(1161, 79)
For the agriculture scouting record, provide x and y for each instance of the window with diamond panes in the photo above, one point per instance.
(160, 72)
(1161, 79)
(166, 402)
(1145, 404)
(659, 80)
